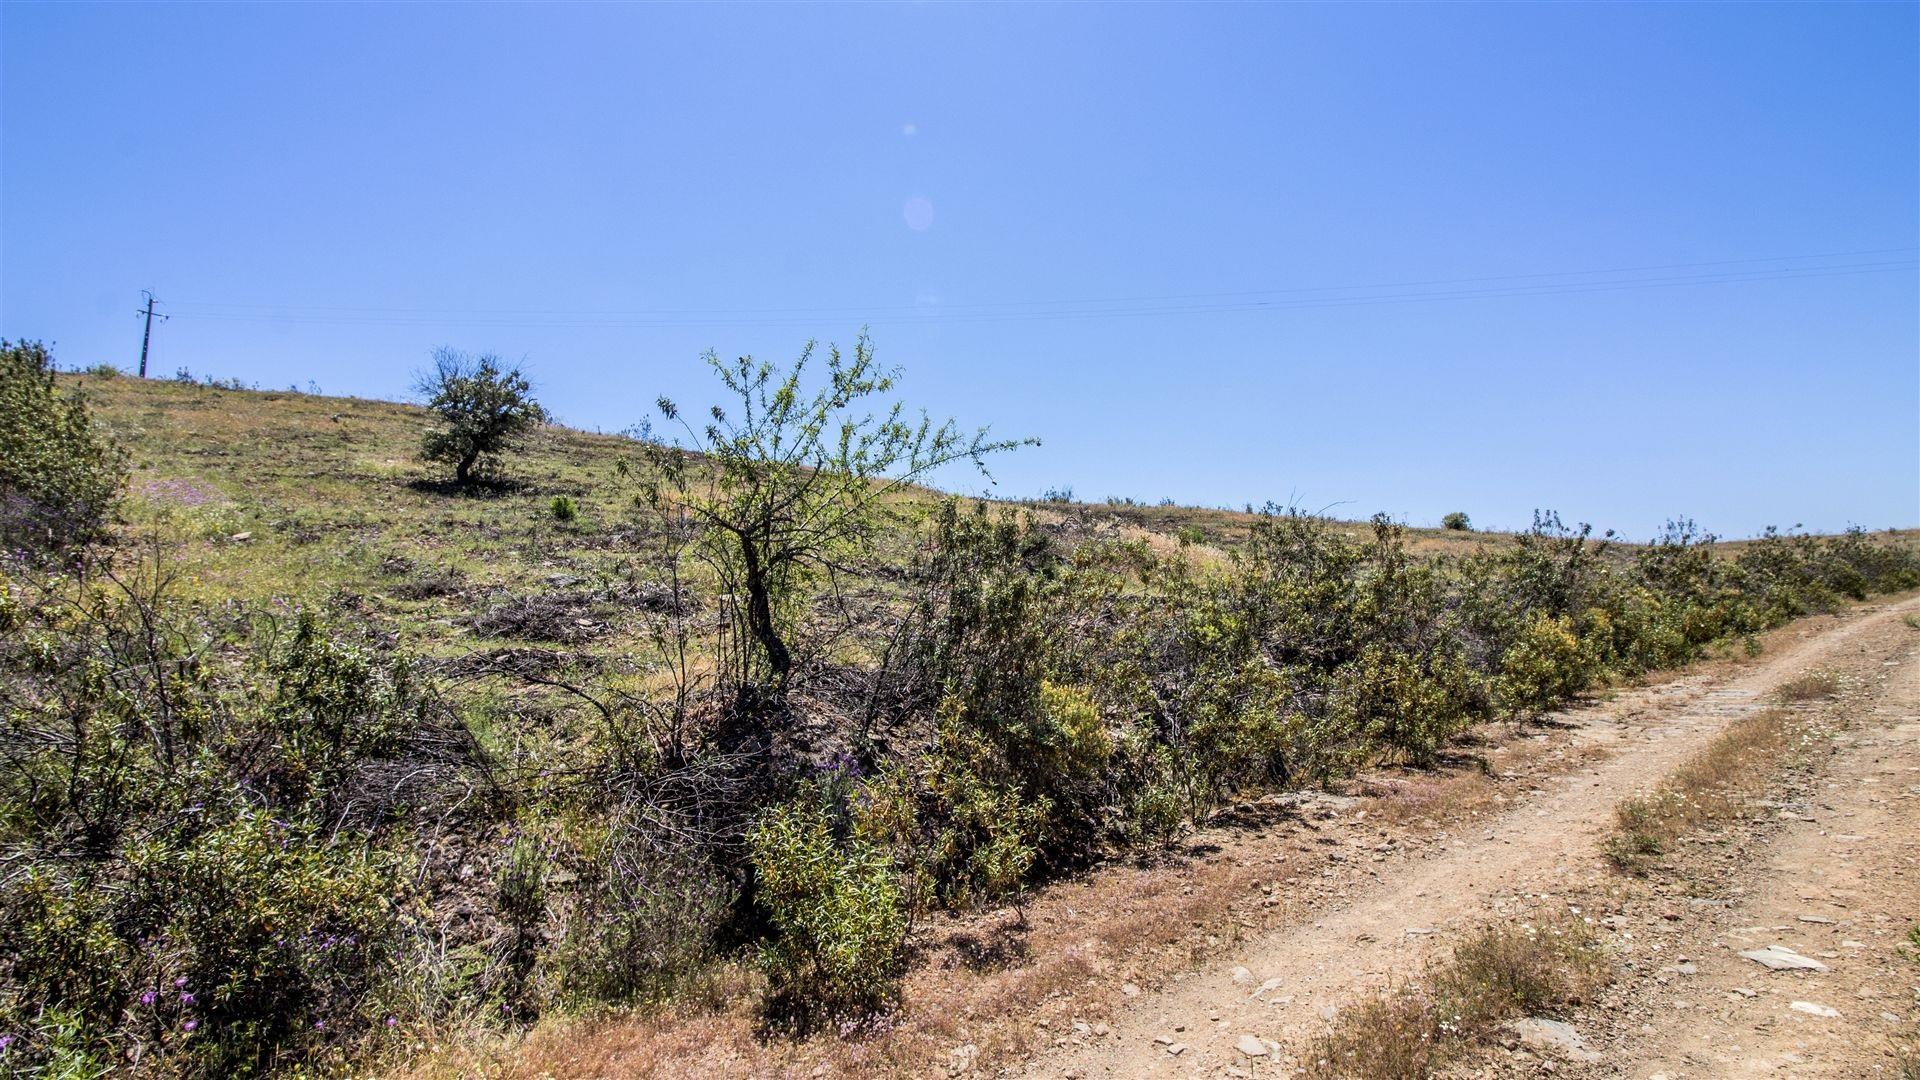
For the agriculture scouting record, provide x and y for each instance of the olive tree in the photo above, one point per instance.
(786, 483)
(485, 409)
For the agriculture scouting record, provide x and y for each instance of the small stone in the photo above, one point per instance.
(1251, 1046)
(1269, 986)
(1177, 1049)
(1242, 976)
(1742, 991)
(1540, 1033)
(1815, 1009)
(1163, 1040)
(1821, 919)
(241, 537)
(1781, 958)
(1130, 990)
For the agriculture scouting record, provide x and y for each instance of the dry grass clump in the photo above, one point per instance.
(1813, 686)
(562, 616)
(1501, 973)
(1716, 784)
(428, 585)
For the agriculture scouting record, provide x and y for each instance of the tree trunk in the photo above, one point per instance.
(760, 616)
(463, 472)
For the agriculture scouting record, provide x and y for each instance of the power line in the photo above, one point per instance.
(1272, 300)
(829, 309)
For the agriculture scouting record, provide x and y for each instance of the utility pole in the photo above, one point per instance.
(146, 338)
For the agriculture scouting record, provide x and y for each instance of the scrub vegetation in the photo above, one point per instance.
(303, 755)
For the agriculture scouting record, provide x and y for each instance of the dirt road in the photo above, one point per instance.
(1839, 883)
(1851, 860)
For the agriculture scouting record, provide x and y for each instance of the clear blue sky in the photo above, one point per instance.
(325, 192)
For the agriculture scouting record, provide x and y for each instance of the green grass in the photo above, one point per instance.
(331, 497)
(265, 494)
(331, 487)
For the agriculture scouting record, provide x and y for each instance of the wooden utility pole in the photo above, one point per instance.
(146, 339)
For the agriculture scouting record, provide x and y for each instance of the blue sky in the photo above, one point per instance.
(325, 193)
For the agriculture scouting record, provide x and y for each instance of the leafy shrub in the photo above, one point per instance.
(223, 947)
(839, 924)
(191, 800)
(1018, 774)
(562, 508)
(1457, 521)
(336, 702)
(268, 933)
(60, 476)
(986, 831)
(1544, 666)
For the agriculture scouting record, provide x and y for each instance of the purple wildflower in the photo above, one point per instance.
(149, 997)
(190, 1025)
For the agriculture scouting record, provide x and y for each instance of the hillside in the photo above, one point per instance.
(313, 761)
(332, 498)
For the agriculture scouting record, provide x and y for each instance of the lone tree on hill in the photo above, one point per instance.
(485, 410)
(787, 485)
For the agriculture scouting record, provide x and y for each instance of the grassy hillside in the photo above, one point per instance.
(331, 498)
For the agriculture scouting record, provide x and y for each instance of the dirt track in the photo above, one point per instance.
(1392, 913)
